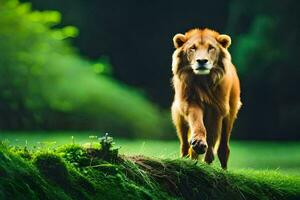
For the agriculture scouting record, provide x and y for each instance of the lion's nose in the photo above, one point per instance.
(202, 61)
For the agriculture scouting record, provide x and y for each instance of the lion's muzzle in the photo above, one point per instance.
(201, 67)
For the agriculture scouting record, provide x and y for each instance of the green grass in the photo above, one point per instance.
(279, 156)
(75, 172)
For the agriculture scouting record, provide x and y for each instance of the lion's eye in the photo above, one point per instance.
(210, 48)
(192, 48)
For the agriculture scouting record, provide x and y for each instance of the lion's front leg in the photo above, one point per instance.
(198, 132)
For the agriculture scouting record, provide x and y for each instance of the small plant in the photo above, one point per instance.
(93, 140)
(106, 151)
(75, 154)
(72, 139)
(91, 154)
(106, 143)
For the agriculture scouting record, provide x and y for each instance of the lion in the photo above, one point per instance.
(207, 94)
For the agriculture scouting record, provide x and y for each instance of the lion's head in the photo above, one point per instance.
(200, 52)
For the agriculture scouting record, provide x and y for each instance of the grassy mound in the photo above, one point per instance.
(98, 172)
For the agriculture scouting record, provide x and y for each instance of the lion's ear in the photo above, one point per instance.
(178, 40)
(224, 40)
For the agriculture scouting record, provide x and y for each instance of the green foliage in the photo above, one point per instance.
(45, 84)
(91, 154)
(75, 154)
(265, 51)
(256, 47)
(20, 180)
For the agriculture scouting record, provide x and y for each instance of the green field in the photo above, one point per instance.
(280, 156)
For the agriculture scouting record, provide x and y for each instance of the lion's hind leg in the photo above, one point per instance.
(213, 123)
(224, 149)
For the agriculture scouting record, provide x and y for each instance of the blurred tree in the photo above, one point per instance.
(266, 52)
(45, 85)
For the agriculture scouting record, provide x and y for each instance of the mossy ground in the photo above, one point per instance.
(76, 172)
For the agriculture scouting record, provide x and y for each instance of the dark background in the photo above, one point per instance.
(136, 36)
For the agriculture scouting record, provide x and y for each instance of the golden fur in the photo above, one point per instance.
(206, 99)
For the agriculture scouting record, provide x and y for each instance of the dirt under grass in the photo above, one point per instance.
(76, 172)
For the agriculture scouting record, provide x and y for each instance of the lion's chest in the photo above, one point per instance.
(203, 96)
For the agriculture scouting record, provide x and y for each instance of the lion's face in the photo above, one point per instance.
(201, 54)
(200, 50)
